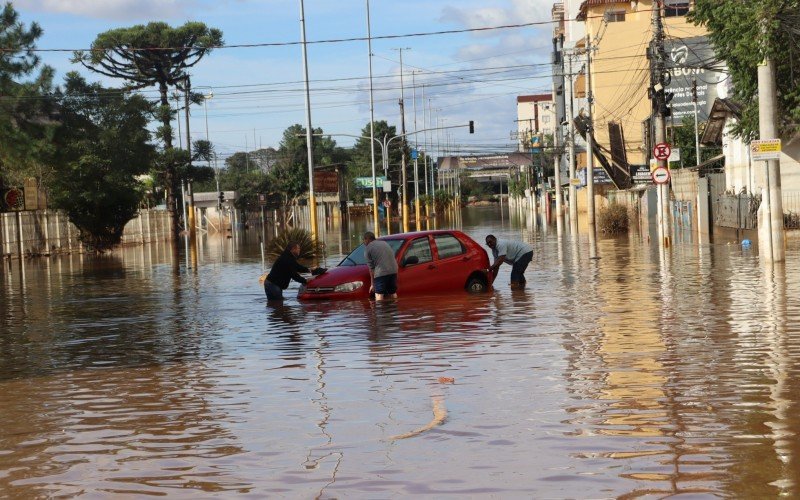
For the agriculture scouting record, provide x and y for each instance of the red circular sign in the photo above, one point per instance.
(661, 151)
(660, 175)
(13, 199)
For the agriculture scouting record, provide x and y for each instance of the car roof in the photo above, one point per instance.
(417, 234)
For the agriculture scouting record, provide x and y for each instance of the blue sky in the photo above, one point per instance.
(258, 92)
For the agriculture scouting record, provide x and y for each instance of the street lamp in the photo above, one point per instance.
(312, 201)
(372, 129)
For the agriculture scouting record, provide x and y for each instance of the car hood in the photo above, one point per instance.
(338, 275)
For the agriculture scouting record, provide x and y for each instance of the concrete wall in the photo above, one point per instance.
(45, 232)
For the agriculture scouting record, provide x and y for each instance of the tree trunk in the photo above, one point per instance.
(170, 179)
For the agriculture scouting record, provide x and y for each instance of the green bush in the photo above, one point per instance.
(613, 219)
(309, 249)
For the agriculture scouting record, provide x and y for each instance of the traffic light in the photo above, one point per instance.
(471, 127)
(221, 197)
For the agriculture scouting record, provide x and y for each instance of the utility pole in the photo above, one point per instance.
(404, 183)
(573, 191)
(696, 127)
(659, 101)
(372, 131)
(589, 153)
(768, 129)
(425, 138)
(189, 221)
(416, 156)
(312, 200)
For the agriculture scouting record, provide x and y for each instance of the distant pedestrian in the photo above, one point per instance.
(285, 269)
(382, 265)
(516, 253)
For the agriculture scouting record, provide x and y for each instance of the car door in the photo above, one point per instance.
(453, 261)
(418, 272)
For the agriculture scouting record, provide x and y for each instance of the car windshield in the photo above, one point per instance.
(356, 257)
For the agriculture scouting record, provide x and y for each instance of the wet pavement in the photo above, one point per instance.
(645, 373)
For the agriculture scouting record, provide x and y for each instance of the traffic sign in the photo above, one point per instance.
(660, 175)
(661, 151)
(767, 149)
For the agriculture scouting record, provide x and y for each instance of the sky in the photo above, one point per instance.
(258, 91)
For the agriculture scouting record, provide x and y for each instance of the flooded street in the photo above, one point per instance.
(645, 373)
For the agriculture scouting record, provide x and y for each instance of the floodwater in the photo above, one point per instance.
(645, 373)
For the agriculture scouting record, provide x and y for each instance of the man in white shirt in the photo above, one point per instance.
(516, 253)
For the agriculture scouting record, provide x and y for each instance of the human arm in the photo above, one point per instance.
(497, 263)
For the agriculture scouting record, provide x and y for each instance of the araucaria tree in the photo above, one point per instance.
(158, 55)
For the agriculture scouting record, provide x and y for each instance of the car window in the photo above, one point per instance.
(448, 246)
(420, 248)
(356, 257)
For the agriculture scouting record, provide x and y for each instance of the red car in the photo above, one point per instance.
(428, 261)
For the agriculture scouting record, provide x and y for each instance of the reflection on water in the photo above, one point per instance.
(648, 372)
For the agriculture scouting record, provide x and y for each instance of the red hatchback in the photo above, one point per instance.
(428, 262)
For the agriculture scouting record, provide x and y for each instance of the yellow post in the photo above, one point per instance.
(312, 207)
(417, 214)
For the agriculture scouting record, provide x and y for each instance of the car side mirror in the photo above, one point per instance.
(411, 260)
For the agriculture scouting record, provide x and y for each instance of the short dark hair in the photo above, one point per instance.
(490, 236)
(369, 235)
(291, 245)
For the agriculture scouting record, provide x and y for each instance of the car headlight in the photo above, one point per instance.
(349, 287)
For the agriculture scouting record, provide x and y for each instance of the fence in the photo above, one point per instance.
(44, 232)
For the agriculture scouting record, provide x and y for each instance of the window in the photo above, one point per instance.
(420, 248)
(615, 16)
(448, 246)
(546, 119)
(356, 257)
(675, 8)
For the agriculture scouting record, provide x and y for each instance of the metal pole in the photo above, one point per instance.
(312, 201)
(372, 130)
(696, 128)
(404, 183)
(573, 191)
(416, 156)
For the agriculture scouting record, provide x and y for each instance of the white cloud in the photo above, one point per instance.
(121, 10)
(517, 12)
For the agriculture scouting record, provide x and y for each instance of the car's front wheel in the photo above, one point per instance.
(476, 285)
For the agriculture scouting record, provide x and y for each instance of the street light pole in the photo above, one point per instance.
(312, 201)
(404, 183)
(416, 155)
(372, 130)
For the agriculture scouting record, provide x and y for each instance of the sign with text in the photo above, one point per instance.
(366, 182)
(766, 149)
(326, 182)
(691, 60)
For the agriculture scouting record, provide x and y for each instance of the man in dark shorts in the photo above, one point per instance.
(516, 253)
(382, 265)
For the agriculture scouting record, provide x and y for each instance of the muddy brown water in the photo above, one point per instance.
(645, 373)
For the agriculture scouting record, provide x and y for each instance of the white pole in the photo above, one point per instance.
(312, 201)
(372, 131)
(767, 120)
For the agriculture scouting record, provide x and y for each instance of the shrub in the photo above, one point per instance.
(309, 250)
(613, 219)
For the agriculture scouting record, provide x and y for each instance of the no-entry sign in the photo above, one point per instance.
(661, 151)
(660, 175)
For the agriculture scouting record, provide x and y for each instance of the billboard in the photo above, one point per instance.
(326, 182)
(688, 60)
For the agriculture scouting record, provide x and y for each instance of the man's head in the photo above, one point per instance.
(369, 237)
(293, 248)
(491, 241)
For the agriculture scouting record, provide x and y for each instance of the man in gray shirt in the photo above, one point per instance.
(516, 253)
(382, 267)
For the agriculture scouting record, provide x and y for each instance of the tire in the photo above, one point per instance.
(476, 285)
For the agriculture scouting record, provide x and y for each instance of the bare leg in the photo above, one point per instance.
(378, 297)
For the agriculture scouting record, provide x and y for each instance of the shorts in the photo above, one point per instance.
(386, 285)
(518, 268)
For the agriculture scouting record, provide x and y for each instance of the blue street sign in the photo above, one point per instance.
(414, 154)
